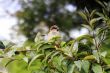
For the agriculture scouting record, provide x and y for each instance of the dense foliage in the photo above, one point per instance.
(85, 54)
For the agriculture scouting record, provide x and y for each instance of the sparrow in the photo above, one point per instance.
(54, 36)
(53, 32)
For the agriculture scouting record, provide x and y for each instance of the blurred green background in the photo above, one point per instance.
(63, 13)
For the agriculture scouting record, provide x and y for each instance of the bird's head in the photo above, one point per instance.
(54, 28)
(53, 32)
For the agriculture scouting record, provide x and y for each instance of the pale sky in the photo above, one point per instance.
(5, 26)
(7, 21)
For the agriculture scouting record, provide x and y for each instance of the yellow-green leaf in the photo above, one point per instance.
(90, 57)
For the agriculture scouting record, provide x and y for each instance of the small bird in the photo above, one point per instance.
(54, 36)
(53, 32)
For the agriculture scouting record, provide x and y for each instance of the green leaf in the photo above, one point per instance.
(87, 26)
(107, 67)
(46, 46)
(98, 1)
(63, 44)
(86, 12)
(71, 68)
(58, 62)
(94, 20)
(89, 37)
(92, 13)
(96, 55)
(48, 56)
(26, 59)
(78, 64)
(83, 15)
(100, 14)
(106, 60)
(8, 44)
(1, 52)
(34, 58)
(64, 66)
(82, 54)
(10, 53)
(104, 53)
(89, 57)
(56, 53)
(39, 44)
(72, 45)
(55, 39)
(67, 51)
(86, 66)
(97, 68)
(2, 46)
(10, 61)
